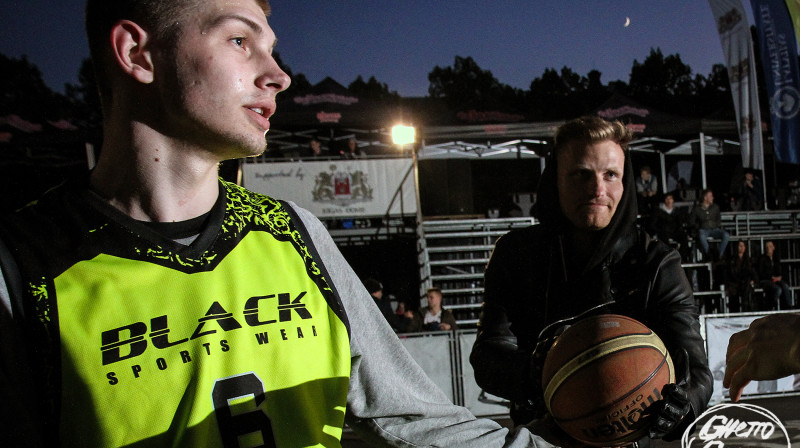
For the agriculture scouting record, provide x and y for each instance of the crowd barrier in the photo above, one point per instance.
(444, 356)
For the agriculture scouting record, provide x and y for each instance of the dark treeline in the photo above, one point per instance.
(659, 81)
(662, 82)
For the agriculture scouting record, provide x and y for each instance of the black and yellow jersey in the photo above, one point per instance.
(237, 339)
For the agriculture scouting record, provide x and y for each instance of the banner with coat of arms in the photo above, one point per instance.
(337, 188)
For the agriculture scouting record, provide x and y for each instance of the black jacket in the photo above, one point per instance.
(530, 283)
(526, 289)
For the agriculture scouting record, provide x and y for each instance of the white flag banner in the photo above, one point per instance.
(338, 188)
(737, 45)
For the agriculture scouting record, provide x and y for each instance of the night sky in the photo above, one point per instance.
(400, 42)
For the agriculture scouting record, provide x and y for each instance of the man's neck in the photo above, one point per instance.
(581, 246)
(151, 179)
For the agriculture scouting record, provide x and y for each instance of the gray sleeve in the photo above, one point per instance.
(391, 402)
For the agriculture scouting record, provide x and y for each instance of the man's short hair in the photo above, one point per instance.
(162, 18)
(592, 129)
(433, 289)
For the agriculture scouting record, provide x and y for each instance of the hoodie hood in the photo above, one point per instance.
(548, 210)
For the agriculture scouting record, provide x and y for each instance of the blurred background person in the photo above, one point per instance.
(705, 219)
(375, 289)
(770, 278)
(351, 150)
(433, 317)
(740, 277)
(646, 189)
(749, 196)
(668, 224)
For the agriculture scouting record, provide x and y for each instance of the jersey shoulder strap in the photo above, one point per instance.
(336, 303)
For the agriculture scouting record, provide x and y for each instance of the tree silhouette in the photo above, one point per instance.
(85, 97)
(23, 92)
(659, 81)
(372, 89)
(299, 80)
(664, 82)
(466, 86)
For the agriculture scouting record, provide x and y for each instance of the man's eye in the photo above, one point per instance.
(239, 41)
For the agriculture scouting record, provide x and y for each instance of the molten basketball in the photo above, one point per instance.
(600, 376)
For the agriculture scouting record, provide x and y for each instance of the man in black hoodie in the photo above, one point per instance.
(587, 256)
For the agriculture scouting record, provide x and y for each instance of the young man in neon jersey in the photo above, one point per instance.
(153, 304)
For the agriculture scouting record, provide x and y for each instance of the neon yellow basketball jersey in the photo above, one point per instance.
(236, 340)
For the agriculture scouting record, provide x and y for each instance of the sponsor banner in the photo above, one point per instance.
(736, 425)
(337, 188)
(737, 45)
(779, 59)
(718, 331)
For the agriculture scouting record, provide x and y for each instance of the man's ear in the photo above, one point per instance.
(130, 44)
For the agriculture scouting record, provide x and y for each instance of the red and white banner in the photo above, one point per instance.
(338, 188)
(737, 45)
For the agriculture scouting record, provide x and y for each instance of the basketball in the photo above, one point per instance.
(600, 376)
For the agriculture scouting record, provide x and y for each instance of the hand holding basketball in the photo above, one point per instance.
(601, 376)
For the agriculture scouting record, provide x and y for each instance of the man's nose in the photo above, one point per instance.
(595, 185)
(273, 76)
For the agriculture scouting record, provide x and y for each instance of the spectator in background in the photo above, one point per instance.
(315, 148)
(404, 316)
(375, 289)
(749, 195)
(705, 220)
(770, 278)
(352, 151)
(667, 222)
(433, 317)
(646, 189)
(740, 277)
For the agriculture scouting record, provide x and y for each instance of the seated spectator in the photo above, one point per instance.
(352, 151)
(740, 276)
(315, 148)
(646, 189)
(749, 195)
(667, 223)
(705, 220)
(433, 317)
(404, 316)
(770, 278)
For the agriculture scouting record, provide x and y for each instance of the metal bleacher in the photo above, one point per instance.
(454, 254)
(454, 257)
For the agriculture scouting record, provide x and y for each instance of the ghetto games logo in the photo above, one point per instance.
(736, 425)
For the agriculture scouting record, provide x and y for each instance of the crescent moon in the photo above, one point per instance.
(627, 21)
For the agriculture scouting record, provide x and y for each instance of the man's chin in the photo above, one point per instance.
(593, 225)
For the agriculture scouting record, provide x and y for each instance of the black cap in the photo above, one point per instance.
(372, 285)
